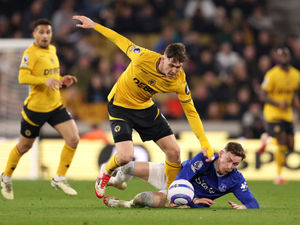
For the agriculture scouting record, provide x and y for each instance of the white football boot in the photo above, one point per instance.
(7, 189)
(64, 186)
(101, 182)
(113, 202)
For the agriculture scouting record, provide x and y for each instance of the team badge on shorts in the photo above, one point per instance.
(117, 128)
(27, 133)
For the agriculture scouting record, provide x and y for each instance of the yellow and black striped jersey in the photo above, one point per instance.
(39, 64)
(141, 80)
(280, 86)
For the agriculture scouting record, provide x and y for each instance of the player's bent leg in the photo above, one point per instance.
(150, 199)
(124, 155)
(171, 148)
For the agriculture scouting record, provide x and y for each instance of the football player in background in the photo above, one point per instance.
(131, 107)
(210, 180)
(278, 92)
(40, 69)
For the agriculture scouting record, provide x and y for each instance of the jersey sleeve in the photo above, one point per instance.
(25, 73)
(191, 167)
(267, 82)
(243, 193)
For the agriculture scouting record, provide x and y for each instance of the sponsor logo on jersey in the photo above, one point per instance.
(244, 186)
(51, 71)
(196, 166)
(204, 185)
(144, 86)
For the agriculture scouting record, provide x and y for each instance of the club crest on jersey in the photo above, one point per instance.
(25, 60)
(244, 186)
(222, 187)
(151, 82)
(135, 49)
(187, 90)
(196, 166)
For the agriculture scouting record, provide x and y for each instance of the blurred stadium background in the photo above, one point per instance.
(229, 43)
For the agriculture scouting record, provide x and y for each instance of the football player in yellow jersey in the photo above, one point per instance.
(278, 91)
(40, 69)
(131, 107)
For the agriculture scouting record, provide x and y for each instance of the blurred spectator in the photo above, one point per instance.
(206, 63)
(252, 122)
(259, 20)
(147, 22)
(96, 92)
(4, 27)
(125, 22)
(226, 58)
(120, 63)
(264, 43)
(166, 38)
(63, 30)
(201, 98)
(83, 72)
(207, 7)
(233, 111)
(35, 12)
(213, 112)
(249, 55)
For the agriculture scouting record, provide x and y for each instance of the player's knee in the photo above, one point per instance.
(124, 159)
(73, 141)
(24, 147)
(173, 154)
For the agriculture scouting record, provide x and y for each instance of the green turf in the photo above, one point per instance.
(37, 203)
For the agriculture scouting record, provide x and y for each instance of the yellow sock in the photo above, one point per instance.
(66, 157)
(112, 164)
(171, 169)
(12, 162)
(279, 156)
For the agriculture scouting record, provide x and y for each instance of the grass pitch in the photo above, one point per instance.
(37, 203)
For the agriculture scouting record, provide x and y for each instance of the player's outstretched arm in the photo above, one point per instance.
(236, 206)
(86, 22)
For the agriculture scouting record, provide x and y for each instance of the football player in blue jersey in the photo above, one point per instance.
(211, 180)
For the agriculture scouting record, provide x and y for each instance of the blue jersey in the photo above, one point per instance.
(208, 184)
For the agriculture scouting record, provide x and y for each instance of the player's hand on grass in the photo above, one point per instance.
(68, 80)
(236, 206)
(173, 205)
(53, 83)
(205, 201)
(87, 23)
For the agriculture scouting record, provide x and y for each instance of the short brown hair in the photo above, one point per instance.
(176, 51)
(236, 149)
(41, 21)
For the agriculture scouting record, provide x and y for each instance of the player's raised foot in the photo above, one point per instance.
(279, 180)
(64, 186)
(117, 181)
(113, 202)
(265, 139)
(6, 189)
(101, 182)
